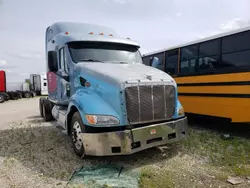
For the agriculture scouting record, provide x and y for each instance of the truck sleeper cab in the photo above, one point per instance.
(103, 96)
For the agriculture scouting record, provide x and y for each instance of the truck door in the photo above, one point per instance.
(63, 70)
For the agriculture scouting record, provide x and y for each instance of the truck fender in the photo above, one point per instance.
(87, 102)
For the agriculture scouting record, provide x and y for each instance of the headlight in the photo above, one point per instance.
(102, 120)
(181, 111)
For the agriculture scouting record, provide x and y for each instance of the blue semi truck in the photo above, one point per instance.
(103, 96)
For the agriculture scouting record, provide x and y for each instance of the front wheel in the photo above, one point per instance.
(77, 127)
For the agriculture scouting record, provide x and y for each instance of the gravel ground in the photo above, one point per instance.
(36, 154)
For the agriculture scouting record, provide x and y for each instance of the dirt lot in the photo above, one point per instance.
(36, 154)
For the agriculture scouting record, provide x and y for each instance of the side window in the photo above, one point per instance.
(171, 63)
(62, 59)
(209, 55)
(236, 59)
(146, 60)
(236, 51)
(160, 56)
(189, 56)
(236, 42)
(66, 68)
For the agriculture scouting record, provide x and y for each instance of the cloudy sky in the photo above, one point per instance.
(155, 24)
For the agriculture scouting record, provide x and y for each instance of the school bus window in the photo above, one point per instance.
(188, 59)
(237, 59)
(209, 55)
(188, 66)
(171, 62)
(209, 48)
(206, 63)
(236, 42)
(189, 52)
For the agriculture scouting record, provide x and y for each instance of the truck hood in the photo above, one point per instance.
(116, 74)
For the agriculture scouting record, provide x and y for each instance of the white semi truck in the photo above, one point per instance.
(38, 84)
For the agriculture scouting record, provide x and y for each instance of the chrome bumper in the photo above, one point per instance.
(134, 140)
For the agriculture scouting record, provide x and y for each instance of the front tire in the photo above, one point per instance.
(77, 127)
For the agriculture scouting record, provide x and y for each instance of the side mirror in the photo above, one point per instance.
(155, 62)
(52, 61)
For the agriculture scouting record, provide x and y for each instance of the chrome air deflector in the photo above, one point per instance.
(149, 101)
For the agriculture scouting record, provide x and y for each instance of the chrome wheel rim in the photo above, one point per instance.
(76, 135)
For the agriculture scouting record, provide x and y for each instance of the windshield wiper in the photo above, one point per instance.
(91, 60)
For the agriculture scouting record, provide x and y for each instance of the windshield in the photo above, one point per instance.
(104, 52)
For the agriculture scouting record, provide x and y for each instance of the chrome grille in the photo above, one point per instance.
(149, 103)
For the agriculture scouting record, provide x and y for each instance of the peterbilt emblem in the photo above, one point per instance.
(149, 77)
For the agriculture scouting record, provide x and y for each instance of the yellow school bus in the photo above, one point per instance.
(213, 74)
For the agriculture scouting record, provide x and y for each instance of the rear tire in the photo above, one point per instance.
(47, 110)
(20, 95)
(27, 94)
(77, 127)
(2, 98)
(41, 106)
(15, 95)
(7, 96)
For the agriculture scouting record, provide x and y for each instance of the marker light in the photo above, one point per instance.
(110, 35)
(91, 33)
(66, 32)
(181, 111)
(87, 84)
(101, 34)
(91, 119)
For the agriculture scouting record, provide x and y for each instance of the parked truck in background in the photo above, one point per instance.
(38, 84)
(35, 83)
(103, 96)
(6, 94)
(3, 95)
